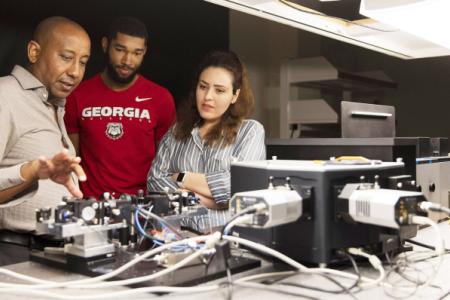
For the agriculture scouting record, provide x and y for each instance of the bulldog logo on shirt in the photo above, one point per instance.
(114, 130)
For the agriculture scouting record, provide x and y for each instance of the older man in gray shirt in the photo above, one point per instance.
(37, 162)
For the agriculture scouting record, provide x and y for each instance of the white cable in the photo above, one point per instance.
(368, 281)
(210, 242)
(52, 284)
(266, 250)
(339, 273)
(245, 219)
(439, 246)
(129, 292)
(270, 288)
(405, 265)
(374, 261)
(41, 284)
(21, 277)
(290, 261)
(94, 279)
(302, 268)
(85, 283)
(430, 206)
(120, 282)
(139, 279)
(265, 275)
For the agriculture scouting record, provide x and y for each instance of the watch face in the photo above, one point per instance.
(180, 177)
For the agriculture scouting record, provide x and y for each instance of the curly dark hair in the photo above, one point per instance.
(188, 116)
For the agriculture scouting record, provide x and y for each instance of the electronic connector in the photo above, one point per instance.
(382, 207)
(274, 206)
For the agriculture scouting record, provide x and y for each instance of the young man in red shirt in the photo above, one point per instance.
(116, 119)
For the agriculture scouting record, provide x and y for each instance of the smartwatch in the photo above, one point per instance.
(180, 178)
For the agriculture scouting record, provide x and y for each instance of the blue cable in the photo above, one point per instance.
(158, 242)
(226, 232)
(142, 231)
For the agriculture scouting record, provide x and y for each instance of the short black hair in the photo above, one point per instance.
(129, 26)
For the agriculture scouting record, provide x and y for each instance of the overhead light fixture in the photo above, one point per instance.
(367, 33)
(427, 19)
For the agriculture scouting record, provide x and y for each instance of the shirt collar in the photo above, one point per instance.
(29, 82)
(195, 132)
(25, 78)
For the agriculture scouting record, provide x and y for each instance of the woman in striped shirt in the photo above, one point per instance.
(210, 133)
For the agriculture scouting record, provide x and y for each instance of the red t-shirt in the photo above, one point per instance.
(117, 132)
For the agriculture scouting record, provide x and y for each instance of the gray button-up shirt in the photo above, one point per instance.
(28, 130)
(193, 155)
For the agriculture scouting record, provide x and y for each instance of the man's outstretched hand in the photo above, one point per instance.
(58, 169)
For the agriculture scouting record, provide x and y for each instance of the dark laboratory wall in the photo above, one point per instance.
(422, 99)
(181, 31)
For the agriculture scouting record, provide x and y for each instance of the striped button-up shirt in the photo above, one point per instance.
(194, 155)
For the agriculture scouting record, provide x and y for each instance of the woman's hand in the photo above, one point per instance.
(195, 182)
